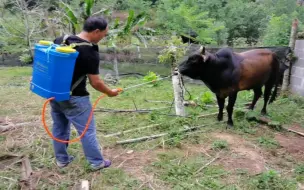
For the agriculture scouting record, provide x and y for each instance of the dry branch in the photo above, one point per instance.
(26, 174)
(210, 114)
(131, 130)
(11, 126)
(156, 136)
(129, 111)
(294, 131)
(156, 101)
(206, 165)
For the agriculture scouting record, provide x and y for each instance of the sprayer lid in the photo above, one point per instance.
(46, 43)
(65, 49)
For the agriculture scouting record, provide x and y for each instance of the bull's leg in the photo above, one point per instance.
(257, 95)
(267, 93)
(221, 104)
(232, 99)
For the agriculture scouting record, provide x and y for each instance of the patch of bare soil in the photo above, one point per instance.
(292, 144)
(243, 155)
(132, 162)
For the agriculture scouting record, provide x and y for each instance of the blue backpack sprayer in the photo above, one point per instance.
(52, 75)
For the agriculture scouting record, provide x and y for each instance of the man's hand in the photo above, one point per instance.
(113, 92)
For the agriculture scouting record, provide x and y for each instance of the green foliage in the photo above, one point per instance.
(300, 169)
(128, 33)
(181, 17)
(152, 77)
(174, 139)
(25, 58)
(2, 138)
(299, 172)
(173, 52)
(207, 97)
(139, 5)
(220, 144)
(271, 180)
(268, 142)
(88, 5)
(244, 20)
(115, 179)
(70, 14)
(180, 172)
(278, 31)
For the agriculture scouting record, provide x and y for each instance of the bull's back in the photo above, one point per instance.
(255, 69)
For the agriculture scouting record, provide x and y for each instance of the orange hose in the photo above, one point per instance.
(87, 125)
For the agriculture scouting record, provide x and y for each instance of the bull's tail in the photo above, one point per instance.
(274, 93)
(276, 73)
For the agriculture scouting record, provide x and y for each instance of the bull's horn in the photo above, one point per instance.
(201, 49)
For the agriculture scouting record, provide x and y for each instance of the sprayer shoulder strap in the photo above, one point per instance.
(65, 37)
(77, 82)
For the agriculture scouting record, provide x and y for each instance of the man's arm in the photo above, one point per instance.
(99, 85)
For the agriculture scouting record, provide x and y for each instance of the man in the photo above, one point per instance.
(76, 111)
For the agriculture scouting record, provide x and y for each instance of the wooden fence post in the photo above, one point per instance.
(292, 41)
(178, 89)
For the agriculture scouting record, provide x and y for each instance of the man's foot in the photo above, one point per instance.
(65, 164)
(104, 164)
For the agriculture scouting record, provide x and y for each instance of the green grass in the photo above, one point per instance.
(183, 173)
(271, 180)
(220, 144)
(268, 142)
(174, 169)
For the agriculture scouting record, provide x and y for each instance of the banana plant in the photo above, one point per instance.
(70, 16)
(87, 10)
(129, 31)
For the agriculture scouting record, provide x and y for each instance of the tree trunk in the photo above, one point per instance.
(292, 41)
(178, 94)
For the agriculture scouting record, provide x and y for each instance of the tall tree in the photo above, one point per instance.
(181, 17)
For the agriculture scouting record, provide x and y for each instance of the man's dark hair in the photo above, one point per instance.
(95, 22)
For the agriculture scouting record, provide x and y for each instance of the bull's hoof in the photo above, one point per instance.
(264, 112)
(220, 117)
(249, 106)
(229, 125)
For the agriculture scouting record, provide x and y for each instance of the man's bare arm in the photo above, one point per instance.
(100, 86)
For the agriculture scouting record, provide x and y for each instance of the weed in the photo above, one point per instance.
(181, 172)
(2, 138)
(268, 142)
(271, 180)
(239, 114)
(174, 139)
(299, 172)
(207, 97)
(220, 144)
(152, 77)
(114, 178)
(299, 169)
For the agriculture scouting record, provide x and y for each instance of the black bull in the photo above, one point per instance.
(226, 73)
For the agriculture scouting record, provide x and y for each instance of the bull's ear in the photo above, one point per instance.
(203, 50)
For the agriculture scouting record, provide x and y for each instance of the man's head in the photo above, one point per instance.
(96, 27)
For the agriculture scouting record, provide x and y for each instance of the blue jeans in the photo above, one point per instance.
(76, 111)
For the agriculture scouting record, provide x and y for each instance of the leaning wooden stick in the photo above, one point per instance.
(131, 130)
(156, 136)
(294, 131)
